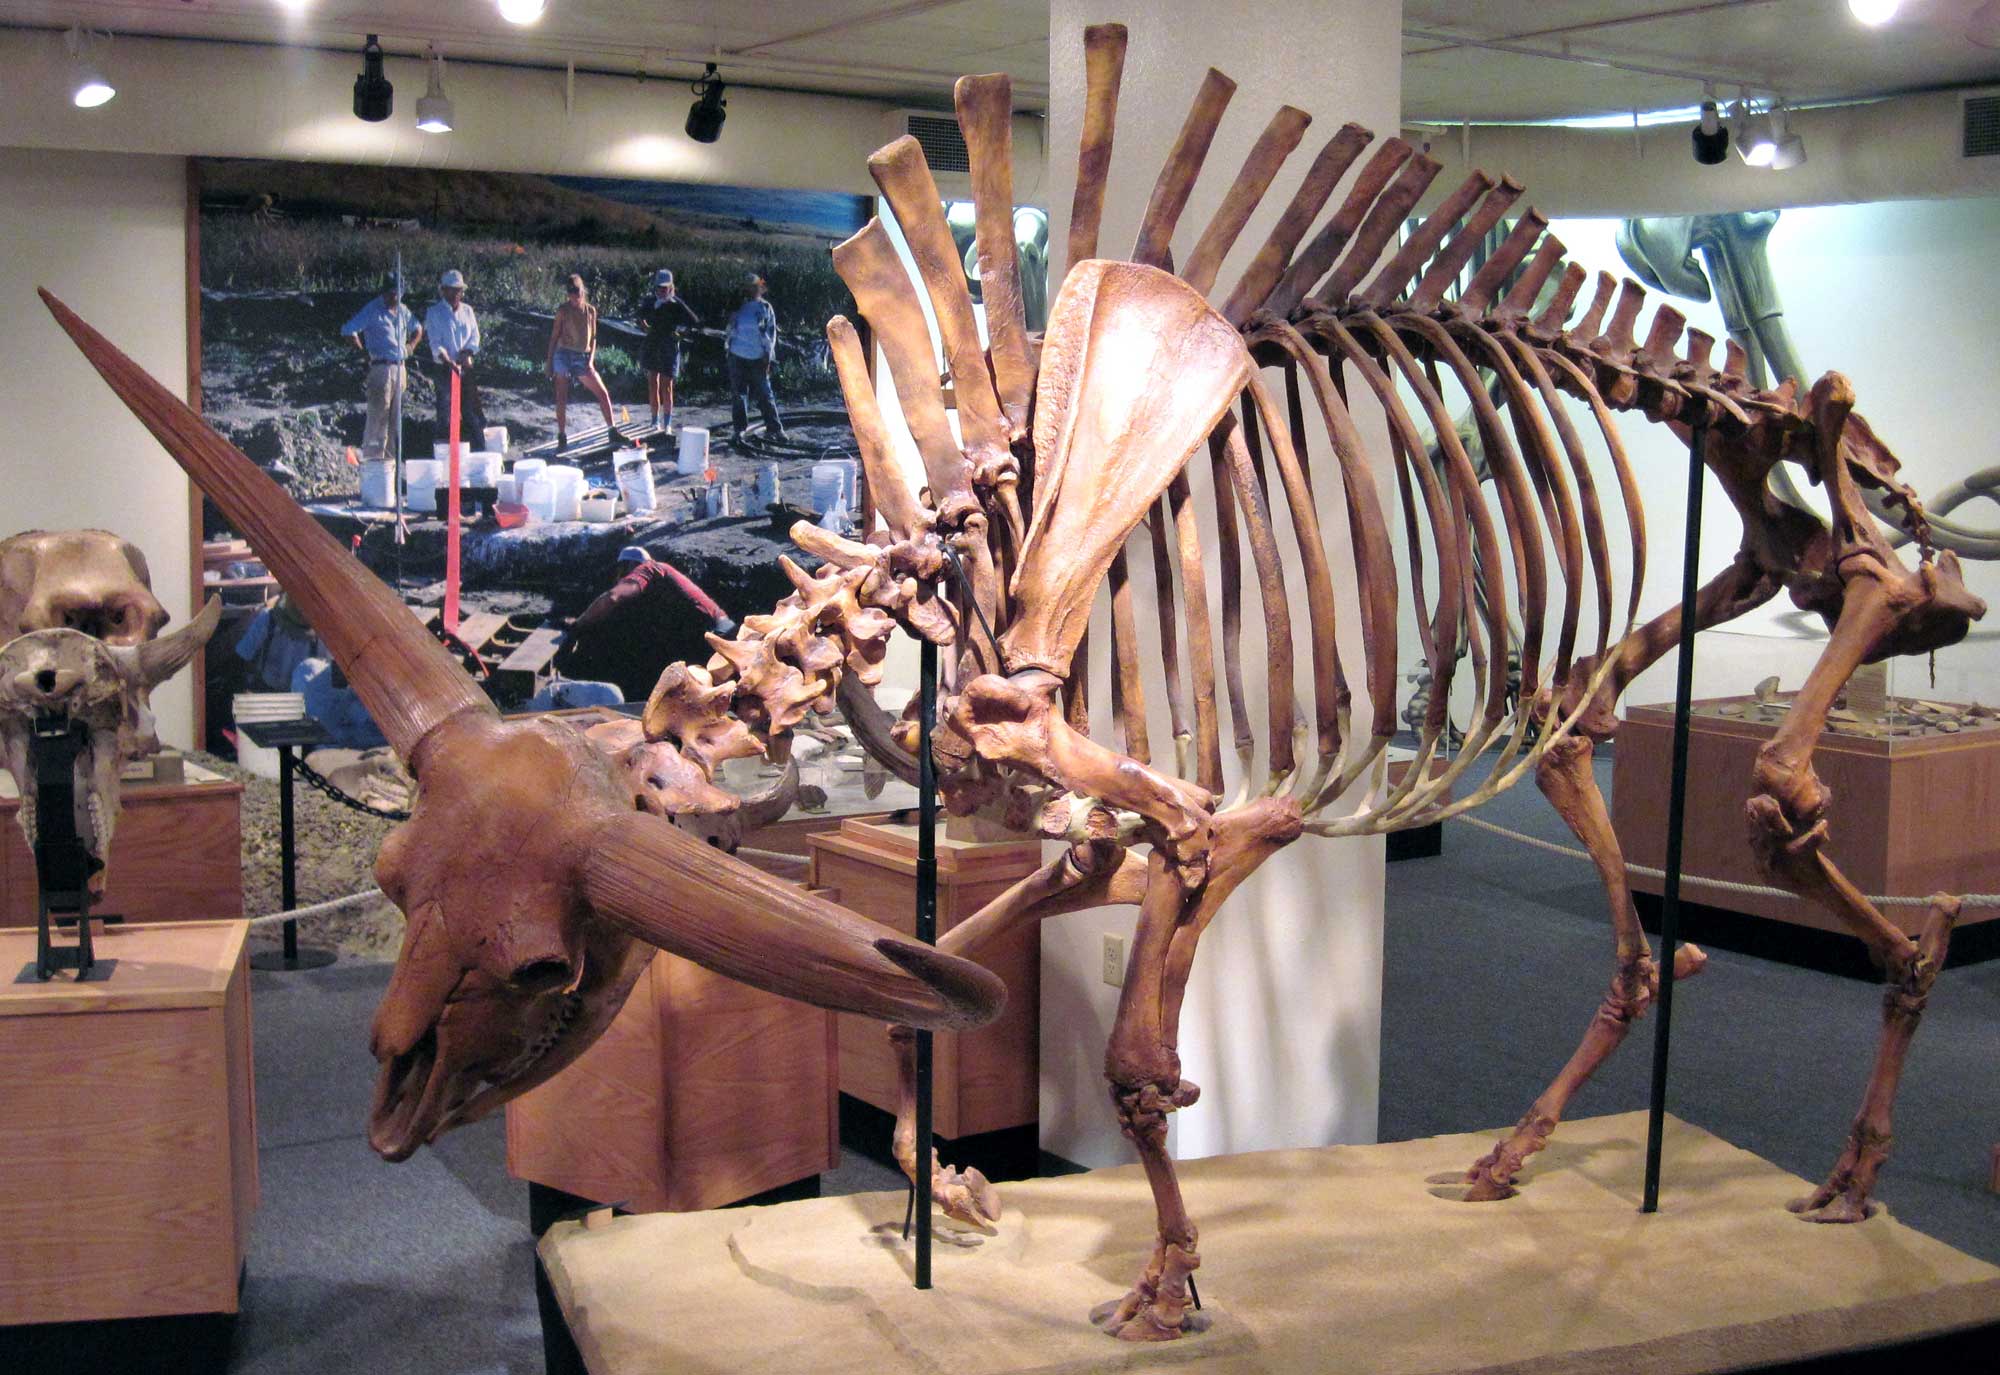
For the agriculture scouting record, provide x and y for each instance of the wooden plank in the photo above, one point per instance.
(177, 855)
(174, 965)
(984, 1080)
(129, 1140)
(702, 1091)
(1884, 825)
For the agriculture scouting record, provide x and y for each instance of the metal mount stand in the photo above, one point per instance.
(285, 737)
(63, 865)
(920, 1189)
(1670, 894)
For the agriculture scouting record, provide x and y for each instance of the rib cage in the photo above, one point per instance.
(1534, 550)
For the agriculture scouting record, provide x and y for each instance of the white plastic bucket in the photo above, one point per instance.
(378, 484)
(693, 452)
(635, 479)
(510, 488)
(525, 468)
(423, 472)
(480, 469)
(767, 486)
(441, 453)
(494, 439)
(569, 488)
(599, 506)
(538, 494)
(833, 484)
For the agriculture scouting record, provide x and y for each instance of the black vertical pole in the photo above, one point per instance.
(287, 855)
(927, 934)
(1670, 895)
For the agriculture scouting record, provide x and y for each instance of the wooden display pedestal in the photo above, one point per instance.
(702, 1091)
(129, 1135)
(983, 1081)
(1903, 816)
(177, 854)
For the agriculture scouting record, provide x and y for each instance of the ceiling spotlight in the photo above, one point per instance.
(1710, 138)
(88, 87)
(374, 97)
(705, 116)
(1874, 12)
(1756, 144)
(522, 11)
(1788, 150)
(434, 106)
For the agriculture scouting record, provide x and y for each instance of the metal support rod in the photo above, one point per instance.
(926, 933)
(288, 854)
(1670, 896)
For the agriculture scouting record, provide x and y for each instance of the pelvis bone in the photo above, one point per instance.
(103, 687)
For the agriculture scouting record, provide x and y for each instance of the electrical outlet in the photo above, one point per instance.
(1114, 960)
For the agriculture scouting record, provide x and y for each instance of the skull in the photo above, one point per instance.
(105, 689)
(533, 875)
(85, 580)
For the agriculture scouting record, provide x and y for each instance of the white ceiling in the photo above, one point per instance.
(912, 50)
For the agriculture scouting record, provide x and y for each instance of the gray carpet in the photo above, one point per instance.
(1496, 956)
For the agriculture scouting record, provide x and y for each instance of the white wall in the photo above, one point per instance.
(1282, 1023)
(1897, 149)
(1899, 296)
(105, 233)
(242, 100)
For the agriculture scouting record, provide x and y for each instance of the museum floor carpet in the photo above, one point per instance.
(1344, 1258)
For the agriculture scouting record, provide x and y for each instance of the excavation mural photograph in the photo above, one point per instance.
(698, 333)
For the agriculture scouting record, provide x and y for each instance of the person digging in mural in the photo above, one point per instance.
(573, 358)
(387, 331)
(662, 317)
(751, 342)
(651, 616)
(452, 331)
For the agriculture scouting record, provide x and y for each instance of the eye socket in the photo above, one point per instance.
(539, 976)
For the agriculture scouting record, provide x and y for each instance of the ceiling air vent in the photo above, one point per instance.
(1982, 126)
(938, 135)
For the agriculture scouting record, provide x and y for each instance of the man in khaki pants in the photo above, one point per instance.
(386, 331)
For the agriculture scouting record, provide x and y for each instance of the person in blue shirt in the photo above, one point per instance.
(386, 331)
(452, 332)
(751, 343)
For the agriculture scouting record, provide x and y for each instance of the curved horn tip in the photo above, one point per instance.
(972, 995)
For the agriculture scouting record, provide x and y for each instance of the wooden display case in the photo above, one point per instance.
(176, 855)
(983, 1080)
(702, 1091)
(130, 1130)
(1903, 820)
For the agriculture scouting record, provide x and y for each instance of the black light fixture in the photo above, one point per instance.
(1710, 138)
(705, 116)
(374, 97)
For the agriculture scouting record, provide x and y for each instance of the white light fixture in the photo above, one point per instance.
(522, 11)
(88, 87)
(1874, 12)
(1788, 149)
(434, 106)
(1756, 143)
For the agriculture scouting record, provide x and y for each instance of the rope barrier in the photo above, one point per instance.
(1722, 885)
(318, 909)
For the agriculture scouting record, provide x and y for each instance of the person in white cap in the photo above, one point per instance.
(663, 316)
(452, 330)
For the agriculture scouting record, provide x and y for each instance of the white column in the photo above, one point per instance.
(1282, 1023)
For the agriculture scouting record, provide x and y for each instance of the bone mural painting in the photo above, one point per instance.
(80, 641)
(527, 875)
